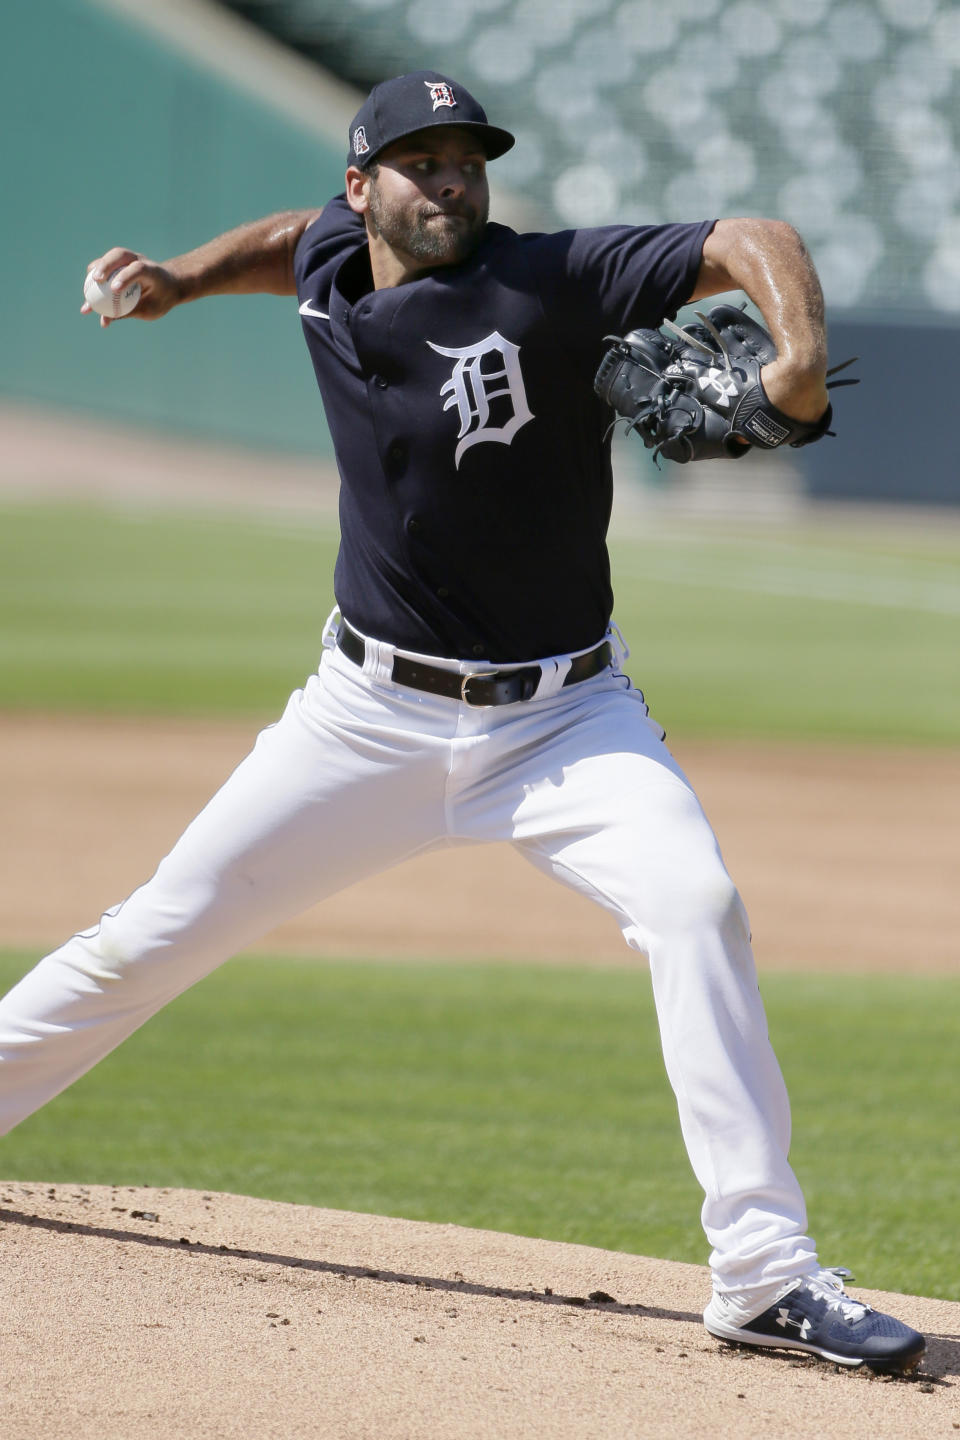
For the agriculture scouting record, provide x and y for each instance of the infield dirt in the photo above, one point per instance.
(845, 858)
(169, 1314)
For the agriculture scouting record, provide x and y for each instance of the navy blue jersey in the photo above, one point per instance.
(473, 453)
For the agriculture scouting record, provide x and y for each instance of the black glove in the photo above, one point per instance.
(696, 393)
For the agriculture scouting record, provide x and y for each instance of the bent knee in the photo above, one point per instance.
(706, 901)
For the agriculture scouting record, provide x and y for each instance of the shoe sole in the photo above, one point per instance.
(902, 1366)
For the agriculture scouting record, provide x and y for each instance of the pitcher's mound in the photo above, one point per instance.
(132, 1313)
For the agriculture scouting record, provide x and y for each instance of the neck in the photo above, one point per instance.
(389, 268)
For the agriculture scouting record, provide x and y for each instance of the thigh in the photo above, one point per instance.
(337, 789)
(345, 783)
(607, 809)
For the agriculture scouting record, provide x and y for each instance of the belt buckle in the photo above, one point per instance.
(529, 678)
(464, 682)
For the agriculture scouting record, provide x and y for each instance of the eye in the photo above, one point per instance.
(426, 166)
(473, 167)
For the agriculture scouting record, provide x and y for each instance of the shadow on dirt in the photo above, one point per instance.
(458, 1284)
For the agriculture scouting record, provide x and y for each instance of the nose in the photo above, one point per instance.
(452, 182)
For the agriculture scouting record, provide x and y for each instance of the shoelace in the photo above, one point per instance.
(828, 1285)
(835, 1275)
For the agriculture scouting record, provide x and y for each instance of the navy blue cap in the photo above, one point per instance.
(418, 101)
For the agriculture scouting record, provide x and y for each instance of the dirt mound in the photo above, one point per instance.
(139, 1312)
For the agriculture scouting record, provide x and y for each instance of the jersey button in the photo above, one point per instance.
(478, 650)
(413, 526)
(442, 592)
(380, 382)
(397, 454)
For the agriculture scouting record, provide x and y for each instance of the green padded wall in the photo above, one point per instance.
(111, 137)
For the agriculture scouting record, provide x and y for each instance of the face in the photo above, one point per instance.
(428, 200)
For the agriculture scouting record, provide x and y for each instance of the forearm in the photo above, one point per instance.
(256, 258)
(768, 260)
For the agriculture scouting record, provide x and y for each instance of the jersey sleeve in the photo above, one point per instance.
(621, 277)
(326, 241)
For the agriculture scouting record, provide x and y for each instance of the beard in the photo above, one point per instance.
(432, 234)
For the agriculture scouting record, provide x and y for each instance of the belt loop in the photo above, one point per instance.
(552, 675)
(378, 663)
(380, 655)
(621, 650)
(328, 636)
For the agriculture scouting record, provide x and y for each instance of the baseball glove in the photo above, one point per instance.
(696, 394)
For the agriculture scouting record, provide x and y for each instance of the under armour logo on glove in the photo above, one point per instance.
(723, 386)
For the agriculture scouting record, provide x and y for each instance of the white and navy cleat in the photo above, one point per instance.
(814, 1314)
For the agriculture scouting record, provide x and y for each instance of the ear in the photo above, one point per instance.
(358, 189)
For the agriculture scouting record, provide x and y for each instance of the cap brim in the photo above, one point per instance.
(496, 142)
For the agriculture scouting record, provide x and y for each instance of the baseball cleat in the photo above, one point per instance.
(815, 1314)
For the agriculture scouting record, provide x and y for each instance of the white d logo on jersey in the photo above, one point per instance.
(471, 388)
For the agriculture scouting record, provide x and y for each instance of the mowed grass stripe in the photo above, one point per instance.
(158, 612)
(743, 637)
(105, 649)
(768, 577)
(107, 609)
(520, 1099)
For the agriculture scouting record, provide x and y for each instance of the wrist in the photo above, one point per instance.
(798, 391)
(184, 284)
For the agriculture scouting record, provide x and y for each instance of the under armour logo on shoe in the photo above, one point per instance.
(784, 1318)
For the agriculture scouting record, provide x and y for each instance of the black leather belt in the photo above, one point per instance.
(491, 687)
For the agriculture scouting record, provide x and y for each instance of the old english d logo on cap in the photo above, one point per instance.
(440, 93)
(422, 100)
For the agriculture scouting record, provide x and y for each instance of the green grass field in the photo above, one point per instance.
(520, 1099)
(838, 637)
(525, 1100)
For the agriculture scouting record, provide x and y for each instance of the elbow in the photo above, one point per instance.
(739, 252)
(747, 241)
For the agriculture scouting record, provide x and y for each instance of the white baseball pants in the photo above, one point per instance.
(358, 775)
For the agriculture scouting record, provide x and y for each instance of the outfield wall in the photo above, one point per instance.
(120, 132)
(893, 437)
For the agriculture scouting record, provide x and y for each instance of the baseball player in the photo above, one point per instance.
(470, 686)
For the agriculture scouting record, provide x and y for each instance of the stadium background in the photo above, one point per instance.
(173, 120)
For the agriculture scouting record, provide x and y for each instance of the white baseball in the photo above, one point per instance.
(112, 303)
